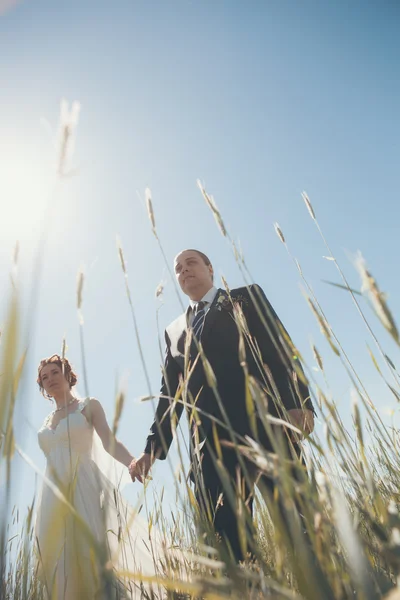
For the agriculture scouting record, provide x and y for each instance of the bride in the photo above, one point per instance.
(85, 533)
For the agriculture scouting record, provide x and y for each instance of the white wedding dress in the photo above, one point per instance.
(85, 532)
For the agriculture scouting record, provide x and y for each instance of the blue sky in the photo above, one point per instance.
(260, 100)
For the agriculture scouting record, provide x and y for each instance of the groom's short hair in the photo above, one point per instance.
(203, 256)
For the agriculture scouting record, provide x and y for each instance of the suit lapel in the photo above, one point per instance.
(178, 329)
(211, 315)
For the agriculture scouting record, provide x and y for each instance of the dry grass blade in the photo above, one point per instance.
(391, 363)
(300, 270)
(318, 358)
(79, 300)
(213, 207)
(8, 364)
(208, 371)
(63, 348)
(135, 324)
(69, 118)
(9, 442)
(343, 287)
(159, 290)
(377, 298)
(121, 256)
(279, 233)
(225, 284)
(16, 254)
(119, 405)
(79, 289)
(308, 204)
(356, 559)
(325, 329)
(150, 210)
(376, 365)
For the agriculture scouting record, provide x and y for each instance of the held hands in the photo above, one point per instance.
(303, 419)
(139, 468)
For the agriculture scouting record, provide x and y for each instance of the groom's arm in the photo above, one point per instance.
(160, 436)
(267, 329)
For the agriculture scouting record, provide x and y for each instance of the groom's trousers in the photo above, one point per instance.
(224, 490)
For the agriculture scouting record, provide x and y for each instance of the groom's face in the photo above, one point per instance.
(193, 275)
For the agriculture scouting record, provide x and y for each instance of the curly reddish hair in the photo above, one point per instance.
(64, 365)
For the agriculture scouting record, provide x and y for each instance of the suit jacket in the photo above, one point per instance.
(220, 342)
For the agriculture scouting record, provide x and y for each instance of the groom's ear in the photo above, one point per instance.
(211, 271)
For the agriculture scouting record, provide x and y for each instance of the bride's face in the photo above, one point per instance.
(53, 380)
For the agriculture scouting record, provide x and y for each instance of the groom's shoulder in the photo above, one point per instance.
(248, 290)
(252, 296)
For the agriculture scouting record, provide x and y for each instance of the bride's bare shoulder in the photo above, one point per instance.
(89, 401)
(90, 406)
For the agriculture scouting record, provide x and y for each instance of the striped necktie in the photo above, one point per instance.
(198, 321)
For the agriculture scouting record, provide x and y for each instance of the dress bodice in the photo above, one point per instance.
(73, 435)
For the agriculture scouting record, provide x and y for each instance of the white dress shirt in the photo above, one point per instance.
(209, 298)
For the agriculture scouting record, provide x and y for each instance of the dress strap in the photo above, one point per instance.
(47, 419)
(83, 403)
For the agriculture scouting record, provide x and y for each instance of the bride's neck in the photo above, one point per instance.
(63, 399)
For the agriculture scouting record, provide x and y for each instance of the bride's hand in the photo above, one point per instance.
(139, 468)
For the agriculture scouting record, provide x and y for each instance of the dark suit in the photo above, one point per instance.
(220, 343)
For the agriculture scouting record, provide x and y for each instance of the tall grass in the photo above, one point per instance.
(348, 495)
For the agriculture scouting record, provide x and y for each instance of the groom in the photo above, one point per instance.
(216, 411)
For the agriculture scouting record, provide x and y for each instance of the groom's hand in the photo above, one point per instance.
(139, 469)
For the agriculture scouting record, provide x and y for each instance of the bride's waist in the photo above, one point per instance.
(63, 458)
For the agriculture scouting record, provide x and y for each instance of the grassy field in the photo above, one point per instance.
(349, 494)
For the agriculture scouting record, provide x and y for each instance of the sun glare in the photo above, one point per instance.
(24, 188)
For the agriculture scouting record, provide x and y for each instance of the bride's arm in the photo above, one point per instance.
(95, 414)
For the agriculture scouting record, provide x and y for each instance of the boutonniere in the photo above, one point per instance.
(224, 302)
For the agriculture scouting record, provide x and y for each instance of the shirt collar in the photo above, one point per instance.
(209, 297)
